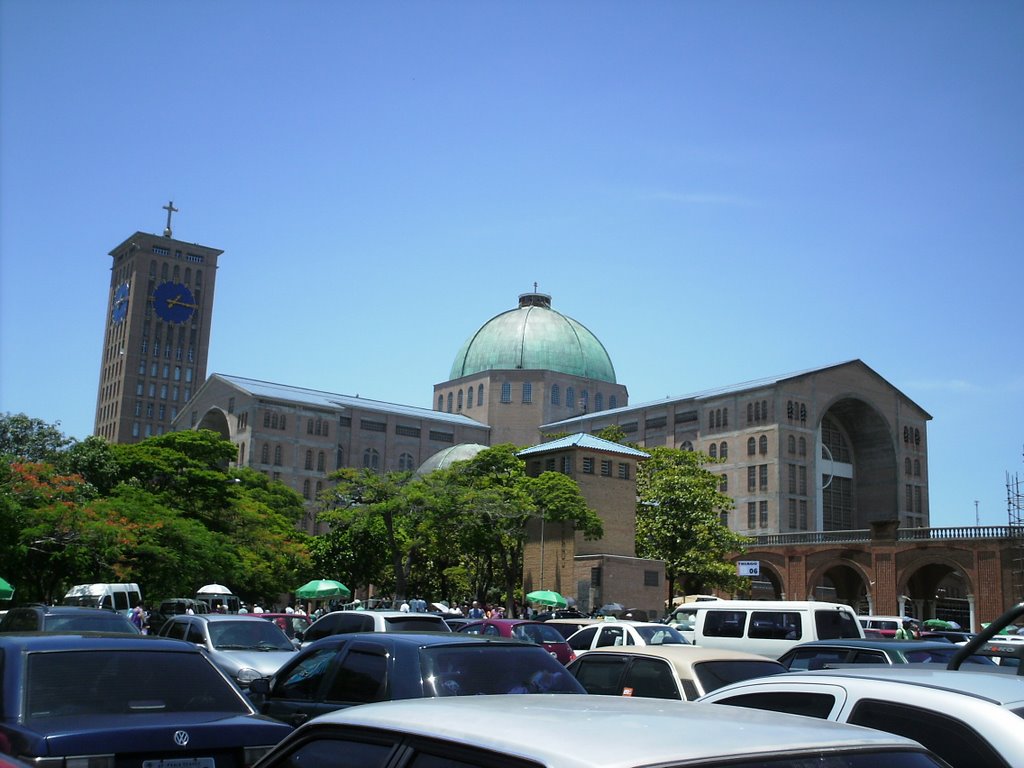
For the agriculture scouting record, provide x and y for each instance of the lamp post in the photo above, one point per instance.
(977, 520)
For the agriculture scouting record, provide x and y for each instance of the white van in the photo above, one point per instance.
(766, 627)
(116, 597)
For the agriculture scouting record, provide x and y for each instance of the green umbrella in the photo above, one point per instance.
(547, 597)
(6, 590)
(320, 588)
(936, 624)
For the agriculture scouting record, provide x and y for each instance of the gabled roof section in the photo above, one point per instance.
(318, 399)
(583, 440)
(746, 386)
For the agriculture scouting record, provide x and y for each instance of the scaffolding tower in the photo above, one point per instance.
(1015, 508)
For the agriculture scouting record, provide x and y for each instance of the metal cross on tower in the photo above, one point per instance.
(170, 209)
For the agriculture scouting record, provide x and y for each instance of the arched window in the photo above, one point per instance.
(723, 450)
(319, 487)
(284, 420)
(713, 451)
(309, 459)
(789, 409)
(917, 467)
(371, 459)
(907, 467)
(450, 398)
(686, 446)
(327, 430)
(318, 427)
(305, 489)
(265, 454)
(725, 417)
(791, 444)
(309, 426)
(718, 418)
(570, 398)
(613, 401)
(320, 462)
(480, 395)
(405, 462)
(440, 402)
(764, 410)
(803, 447)
(273, 421)
(598, 402)
(750, 413)
(762, 444)
(556, 395)
(266, 414)
(469, 398)
(751, 446)
(585, 400)
(723, 485)
(277, 455)
(460, 400)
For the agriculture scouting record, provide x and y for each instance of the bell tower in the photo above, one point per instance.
(157, 337)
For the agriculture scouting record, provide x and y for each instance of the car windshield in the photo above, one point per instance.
(833, 624)
(941, 656)
(255, 635)
(537, 633)
(415, 624)
(87, 601)
(661, 635)
(714, 674)
(472, 670)
(124, 682)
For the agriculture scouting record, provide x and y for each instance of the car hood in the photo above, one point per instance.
(265, 662)
(119, 733)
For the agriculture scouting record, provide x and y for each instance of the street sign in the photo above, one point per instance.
(748, 567)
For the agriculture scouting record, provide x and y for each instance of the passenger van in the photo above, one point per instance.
(116, 597)
(766, 627)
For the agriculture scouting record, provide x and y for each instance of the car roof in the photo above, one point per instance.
(18, 642)
(219, 617)
(681, 656)
(646, 731)
(385, 614)
(585, 620)
(878, 643)
(420, 639)
(1006, 690)
(63, 609)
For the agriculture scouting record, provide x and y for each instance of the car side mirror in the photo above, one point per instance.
(260, 686)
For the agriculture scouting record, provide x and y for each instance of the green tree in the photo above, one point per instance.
(28, 439)
(678, 520)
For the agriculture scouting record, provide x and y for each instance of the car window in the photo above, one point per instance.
(20, 620)
(126, 683)
(302, 680)
(714, 674)
(949, 738)
(724, 623)
(175, 629)
(194, 633)
(490, 629)
(813, 658)
(360, 678)
(583, 639)
(651, 678)
(832, 624)
(660, 635)
(794, 702)
(248, 635)
(611, 636)
(468, 671)
(600, 674)
(869, 657)
(103, 621)
(471, 629)
(537, 633)
(776, 625)
(337, 752)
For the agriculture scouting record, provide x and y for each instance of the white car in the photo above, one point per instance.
(556, 731)
(968, 718)
(344, 622)
(612, 633)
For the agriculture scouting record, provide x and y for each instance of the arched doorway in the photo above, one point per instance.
(856, 467)
(840, 583)
(938, 590)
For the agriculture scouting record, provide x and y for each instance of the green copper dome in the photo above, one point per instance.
(534, 337)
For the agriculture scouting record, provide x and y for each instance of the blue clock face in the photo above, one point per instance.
(120, 310)
(173, 302)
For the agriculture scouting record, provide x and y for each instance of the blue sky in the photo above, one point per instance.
(721, 191)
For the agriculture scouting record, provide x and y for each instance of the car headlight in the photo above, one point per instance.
(246, 675)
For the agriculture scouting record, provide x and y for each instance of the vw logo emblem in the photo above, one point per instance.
(181, 738)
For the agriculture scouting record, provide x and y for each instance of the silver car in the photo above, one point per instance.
(558, 731)
(967, 718)
(245, 647)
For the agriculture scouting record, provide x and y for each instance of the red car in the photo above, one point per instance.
(522, 629)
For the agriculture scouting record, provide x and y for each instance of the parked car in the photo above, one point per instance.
(886, 626)
(523, 629)
(344, 670)
(65, 618)
(582, 732)
(105, 700)
(341, 622)
(821, 653)
(970, 719)
(667, 671)
(611, 633)
(174, 606)
(245, 647)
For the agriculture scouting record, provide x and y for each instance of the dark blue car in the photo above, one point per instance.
(124, 700)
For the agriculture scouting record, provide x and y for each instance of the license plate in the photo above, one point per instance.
(180, 762)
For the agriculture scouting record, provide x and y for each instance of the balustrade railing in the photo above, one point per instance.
(903, 534)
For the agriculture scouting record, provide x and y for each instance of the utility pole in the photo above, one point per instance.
(977, 520)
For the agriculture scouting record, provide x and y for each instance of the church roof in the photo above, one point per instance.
(314, 397)
(534, 337)
(583, 440)
(448, 456)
